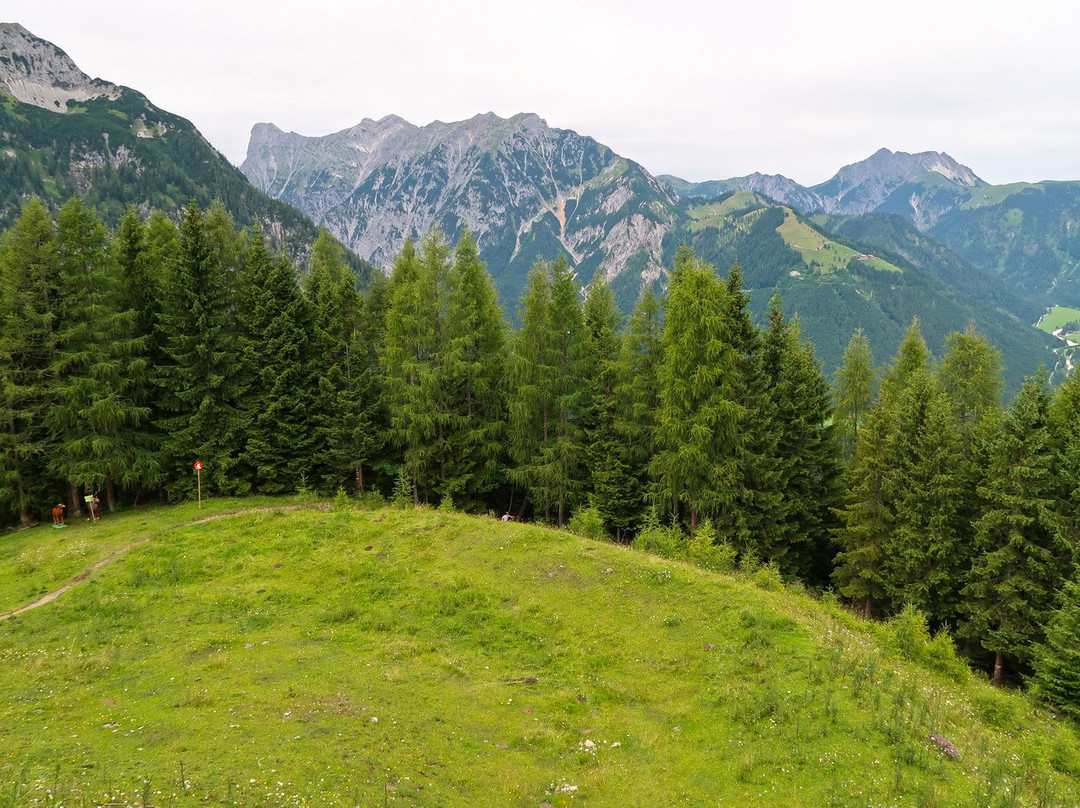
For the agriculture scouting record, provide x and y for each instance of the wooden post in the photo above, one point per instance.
(198, 480)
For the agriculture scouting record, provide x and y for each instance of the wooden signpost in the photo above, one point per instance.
(198, 479)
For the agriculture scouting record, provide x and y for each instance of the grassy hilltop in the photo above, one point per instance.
(312, 657)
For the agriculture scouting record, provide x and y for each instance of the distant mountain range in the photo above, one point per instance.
(894, 236)
(1026, 233)
(531, 191)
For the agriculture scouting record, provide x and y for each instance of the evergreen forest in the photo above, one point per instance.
(127, 355)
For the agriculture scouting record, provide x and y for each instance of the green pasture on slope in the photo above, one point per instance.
(367, 658)
(1057, 317)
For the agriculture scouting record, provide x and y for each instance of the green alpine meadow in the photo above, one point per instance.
(292, 652)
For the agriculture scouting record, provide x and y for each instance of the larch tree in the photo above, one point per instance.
(413, 330)
(854, 393)
(695, 469)
(469, 367)
(548, 393)
(99, 423)
(911, 357)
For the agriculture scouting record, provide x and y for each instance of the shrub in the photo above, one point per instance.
(908, 634)
(704, 550)
(587, 522)
(403, 491)
(768, 577)
(341, 500)
(750, 562)
(669, 542)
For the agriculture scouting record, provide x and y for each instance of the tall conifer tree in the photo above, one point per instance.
(102, 442)
(614, 490)
(548, 396)
(470, 363)
(806, 454)
(1020, 562)
(638, 391)
(277, 411)
(759, 501)
(926, 560)
(29, 300)
(854, 389)
(695, 469)
(413, 331)
(201, 381)
(339, 414)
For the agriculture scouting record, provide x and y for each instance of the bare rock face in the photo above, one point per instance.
(37, 72)
(923, 186)
(524, 189)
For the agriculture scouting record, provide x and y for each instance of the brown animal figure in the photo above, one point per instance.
(58, 513)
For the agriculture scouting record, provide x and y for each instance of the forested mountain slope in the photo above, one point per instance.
(63, 134)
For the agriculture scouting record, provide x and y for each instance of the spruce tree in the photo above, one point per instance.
(1065, 436)
(372, 425)
(806, 454)
(338, 412)
(614, 490)
(695, 469)
(277, 410)
(1057, 660)
(1020, 561)
(759, 501)
(637, 393)
(29, 299)
(200, 383)
(530, 397)
(926, 559)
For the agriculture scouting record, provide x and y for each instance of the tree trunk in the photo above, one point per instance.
(867, 608)
(998, 665)
(360, 479)
(75, 501)
(110, 495)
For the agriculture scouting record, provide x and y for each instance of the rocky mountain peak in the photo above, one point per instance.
(39, 73)
(521, 186)
(886, 168)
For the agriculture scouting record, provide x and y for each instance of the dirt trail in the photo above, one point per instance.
(115, 554)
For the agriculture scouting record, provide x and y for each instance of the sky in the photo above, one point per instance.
(701, 90)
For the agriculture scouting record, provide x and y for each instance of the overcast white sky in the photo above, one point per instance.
(703, 90)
